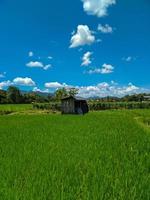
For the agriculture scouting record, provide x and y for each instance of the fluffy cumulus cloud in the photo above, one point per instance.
(19, 81)
(37, 64)
(24, 81)
(97, 7)
(53, 85)
(83, 36)
(105, 89)
(86, 59)
(105, 28)
(105, 69)
(101, 89)
(36, 89)
(5, 84)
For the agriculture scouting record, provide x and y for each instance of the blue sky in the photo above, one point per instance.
(100, 47)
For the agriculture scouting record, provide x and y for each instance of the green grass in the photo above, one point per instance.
(99, 156)
(15, 107)
(26, 109)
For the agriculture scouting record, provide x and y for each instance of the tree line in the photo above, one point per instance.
(14, 96)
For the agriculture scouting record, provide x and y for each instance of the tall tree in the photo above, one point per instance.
(14, 95)
(3, 96)
(72, 92)
(60, 93)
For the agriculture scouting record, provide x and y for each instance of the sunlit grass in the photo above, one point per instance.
(15, 107)
(102, 155)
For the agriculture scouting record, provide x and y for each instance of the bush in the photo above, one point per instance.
(54, 106)
(94, 105)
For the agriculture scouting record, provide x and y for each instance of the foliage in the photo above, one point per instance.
(60, 93)
(3, 96)
(55, 106)
(14, 95)
(103, 155)
(97, 105)
(127, 98)
(63, 92)
(72, 92)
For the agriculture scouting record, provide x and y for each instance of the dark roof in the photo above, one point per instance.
(80, 98)
(77, 98)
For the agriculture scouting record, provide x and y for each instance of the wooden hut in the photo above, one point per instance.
(74, 105)
(147, 98)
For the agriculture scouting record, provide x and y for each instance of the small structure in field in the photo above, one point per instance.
(74, 105)
(147, 98)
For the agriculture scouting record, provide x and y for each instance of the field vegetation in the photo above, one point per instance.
(100, 156)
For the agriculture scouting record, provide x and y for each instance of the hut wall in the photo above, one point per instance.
(68, 106)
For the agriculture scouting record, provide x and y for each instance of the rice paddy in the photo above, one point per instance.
(100, 156)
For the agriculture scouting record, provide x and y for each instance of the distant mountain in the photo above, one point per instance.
(43, 94)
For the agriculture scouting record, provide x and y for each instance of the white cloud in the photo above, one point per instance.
(131, 87)
(129, 58)
(36, 89)
(5, 84)
(97, 7)
(54, 85)
(46, 67)
(24, 81)
(83, 36)
(50, 57)
(105, 89)
(17, 81)
(57, 85)
(37, 64)
(102, 89)
(94, 71)
(31, 54)
(2, 75)
(105, 69)
(86, 59)
(105, 28)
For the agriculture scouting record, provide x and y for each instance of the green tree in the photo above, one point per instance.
(3, 96)
(14, 95)
(60, 93)
(73, 92)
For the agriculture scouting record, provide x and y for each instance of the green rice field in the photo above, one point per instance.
(100, 156)
(15, 107)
